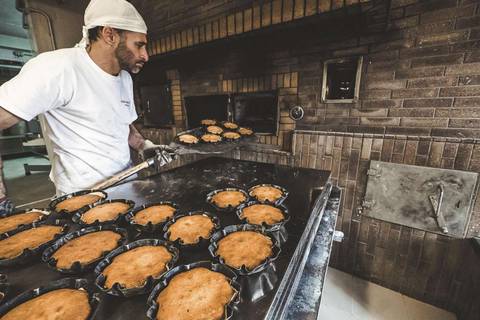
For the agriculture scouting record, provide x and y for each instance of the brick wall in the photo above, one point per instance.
(419, 104)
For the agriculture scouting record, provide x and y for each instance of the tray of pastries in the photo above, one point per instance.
(62, 299)
(20, 245)
(201, 290)
(191, 229)
(79, 251)
(246, 248)
(106, 211)
(152, 217)
(134, 268)
(22, 218)
(69, 204)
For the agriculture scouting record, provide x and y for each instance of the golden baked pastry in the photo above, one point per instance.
(86, 248)
(208, 137)
(188, 138)
(262, 213)
(13, 222)
(195, 294)
(29, 239)
(77, 202)
(58, 304)
(230, 125)
(105, 212)
(214, 129)
(132, 268)
(245, 131)
(231, 135)
(208, 122)
(266, 193)
(154, 214)
(233, 198)
(247, 248)
(189, 229)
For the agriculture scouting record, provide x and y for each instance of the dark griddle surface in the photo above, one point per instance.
(188, 186)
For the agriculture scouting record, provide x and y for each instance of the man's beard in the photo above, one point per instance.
(126, 59)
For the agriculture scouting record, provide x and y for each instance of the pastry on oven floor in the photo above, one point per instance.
(245, 131)
(211, 138)
(56, 304)
(33, 238)
(189, 229)
(13, 222)
(262, 213)
(195, 294)
(86, 248)
(266, 193)
(230, 125)
(188, 138)
(208, 122)
(248, 248)
(231, 135)
(227, 198)
(214, 129)
(154, 214)
(131, 268)
(105, 212)
(74, 203)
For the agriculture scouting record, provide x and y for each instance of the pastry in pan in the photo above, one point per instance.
(189, 229)
(188, 138)
(214, 129)
(154, 214)
(245, 131)
(211, 138)
(266, 193)
(230, 125)
(13, 222)
(208, 122)
(74, 203)
(105, 212)
(262, 213)
(228, 198)
(231, 135)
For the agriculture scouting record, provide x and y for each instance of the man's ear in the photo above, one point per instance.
(110, 36)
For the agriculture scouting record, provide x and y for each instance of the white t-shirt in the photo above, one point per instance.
(87, 111)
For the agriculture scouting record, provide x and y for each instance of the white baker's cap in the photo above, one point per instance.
(118, 14)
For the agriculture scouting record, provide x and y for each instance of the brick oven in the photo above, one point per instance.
(418, 104)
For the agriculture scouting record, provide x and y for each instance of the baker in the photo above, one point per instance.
(86, 95)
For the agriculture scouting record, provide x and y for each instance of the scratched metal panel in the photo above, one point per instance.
(407, 195)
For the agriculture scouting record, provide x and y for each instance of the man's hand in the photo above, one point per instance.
(149, 150)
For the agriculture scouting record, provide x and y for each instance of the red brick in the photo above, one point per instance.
(419, 73)
(432, 82)
(467, 102)
(469, 80)
(376, 94)
(427, 103)
(464, 123)
(384, 84)
(468, 22)
(445, 14)
(424, 52)
(460, 91)
(379, 121)
(438, 60)
(452, 37)
(473, 56)
(463, 69)
(372, 104)
(411, 112)
(415, 93)
(424, 122)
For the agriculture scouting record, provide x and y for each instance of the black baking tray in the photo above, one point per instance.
(165, 279)
(64, 213)
(45, 214)
(76, 266)
(202, 242)
(149, 227)
(118, 290)
(269, 227)
(77, 216)
(29, 254)
(60, 284)
(3, 287)
(244, 227)
(229, 207)
(188, 186)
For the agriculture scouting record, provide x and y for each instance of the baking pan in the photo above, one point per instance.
(244, 227)
(77, 216)
(272, 227)
(202, 242)
(45, 215)
(149, 227)
(118, 290)
(57, 200)
(165, 279)
(3, 287)
(76, 266)
(229, 208)
(55, 285)
(278, 201)
(29, 254)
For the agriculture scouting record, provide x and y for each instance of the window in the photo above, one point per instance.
(341, 80)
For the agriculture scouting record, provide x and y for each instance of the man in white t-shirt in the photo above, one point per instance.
(86, 95)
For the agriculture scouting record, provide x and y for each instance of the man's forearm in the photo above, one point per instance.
(135, 139)
(7, 119)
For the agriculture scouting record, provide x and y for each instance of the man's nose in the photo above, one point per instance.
(144, 54)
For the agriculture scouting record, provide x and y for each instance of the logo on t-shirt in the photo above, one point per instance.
(126, 103)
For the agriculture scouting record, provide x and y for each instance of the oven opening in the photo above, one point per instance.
(198, 108)
(258, 111)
